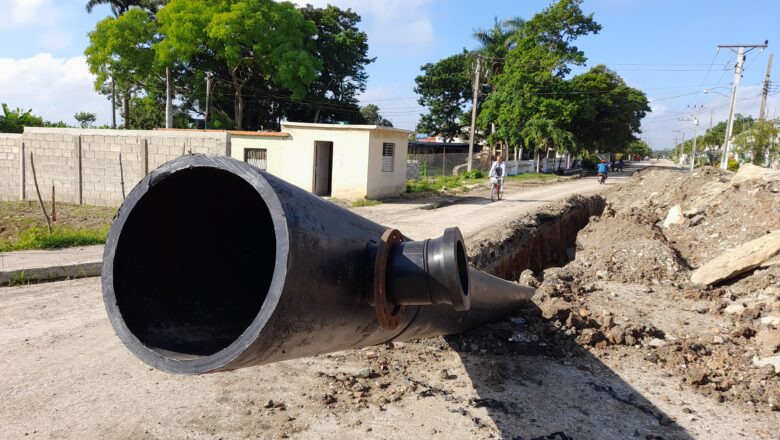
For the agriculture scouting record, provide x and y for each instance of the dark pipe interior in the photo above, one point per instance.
(194, 262)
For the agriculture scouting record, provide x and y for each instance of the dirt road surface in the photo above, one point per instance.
(476, 215)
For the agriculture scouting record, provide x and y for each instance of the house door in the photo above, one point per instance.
(323, 168)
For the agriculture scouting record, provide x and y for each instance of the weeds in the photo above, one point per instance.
(531, 177)
(37, 237)
(365, 202)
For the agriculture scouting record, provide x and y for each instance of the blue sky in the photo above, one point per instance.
(666, 48)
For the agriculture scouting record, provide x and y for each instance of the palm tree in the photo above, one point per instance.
(496, 42)
(119, 7)
(545, 134)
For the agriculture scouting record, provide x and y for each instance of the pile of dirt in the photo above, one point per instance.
(628, 287)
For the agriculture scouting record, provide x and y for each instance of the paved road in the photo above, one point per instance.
(477, 214)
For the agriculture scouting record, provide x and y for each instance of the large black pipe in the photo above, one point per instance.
(213, 265)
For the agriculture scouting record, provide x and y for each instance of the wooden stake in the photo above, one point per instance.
(38, 191)
(122, 176)
(53, 205)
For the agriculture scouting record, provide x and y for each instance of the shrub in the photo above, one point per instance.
(474, 174)
(733, 165)
(38, 238)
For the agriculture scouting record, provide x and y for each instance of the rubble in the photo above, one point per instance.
(675, 273)
(738, 260)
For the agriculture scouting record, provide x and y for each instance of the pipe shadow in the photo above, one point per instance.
(538, 383)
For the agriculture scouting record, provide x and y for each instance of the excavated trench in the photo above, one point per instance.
(538, 240)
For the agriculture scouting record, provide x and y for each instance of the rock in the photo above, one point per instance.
(735, 308)
(696, 220)
(269, 404)
(693, 212)
(527, 278)
(768, 341)
(616, 335)
(656, 343)
(738, 260)
(674, 217)
(364, 373)
(749, 172)
(696, 376)
(328, 399)
(444, 374)
(771, 360)
(602, 274)
(770, 321)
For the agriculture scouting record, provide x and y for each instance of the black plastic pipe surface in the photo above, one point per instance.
(213, 265)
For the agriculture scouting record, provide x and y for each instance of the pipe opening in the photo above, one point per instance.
(194, 262)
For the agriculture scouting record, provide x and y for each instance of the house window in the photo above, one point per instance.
(257, 157)
(388, 155)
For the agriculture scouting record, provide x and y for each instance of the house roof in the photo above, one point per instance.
(233, 132)
(344, 127)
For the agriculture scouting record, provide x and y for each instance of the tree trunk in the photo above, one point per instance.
(317, 116)
(568, 160)
(538, 162)
(238, 101)
(168, 99)
(126, 105)
(113, 103)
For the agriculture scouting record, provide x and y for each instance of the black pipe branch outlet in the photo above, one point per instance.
(213, 265)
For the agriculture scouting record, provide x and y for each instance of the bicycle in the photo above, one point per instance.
(496, 188)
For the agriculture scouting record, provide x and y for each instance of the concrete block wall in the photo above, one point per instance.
(10, 154)
(84, 164)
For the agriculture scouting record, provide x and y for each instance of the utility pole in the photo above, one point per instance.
(113, 103)
(693, 147)
(168, 99)
(474, 112)
(765, 92)
(737, 76)
(209, 78)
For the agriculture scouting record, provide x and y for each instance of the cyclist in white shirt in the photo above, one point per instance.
(497, 173)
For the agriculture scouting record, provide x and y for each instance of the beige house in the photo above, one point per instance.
(347, 161)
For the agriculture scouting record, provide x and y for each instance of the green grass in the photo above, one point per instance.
(61, 237)
(365, 202)
(531, 177)
(438, 183)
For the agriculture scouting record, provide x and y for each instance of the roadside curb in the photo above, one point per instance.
(51, 273)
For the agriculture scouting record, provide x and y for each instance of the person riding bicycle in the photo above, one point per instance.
(497, 172)
(602, 169)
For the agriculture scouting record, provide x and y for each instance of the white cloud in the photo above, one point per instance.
(54, 88)
(32, 13)
(399, 26)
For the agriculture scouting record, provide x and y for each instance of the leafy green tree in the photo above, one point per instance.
(246, 39)
(122, 49)
(532, 85)
(544, 135)
(119, 7)
(758, 141)
(373, 117)
(496, 42)
(445, 89)
(85, 119)
(14, 121)
(342, 49)
(149, 113)
(639, 148)
(607, 112)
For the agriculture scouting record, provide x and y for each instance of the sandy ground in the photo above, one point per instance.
(469, 213)
(66, 375)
